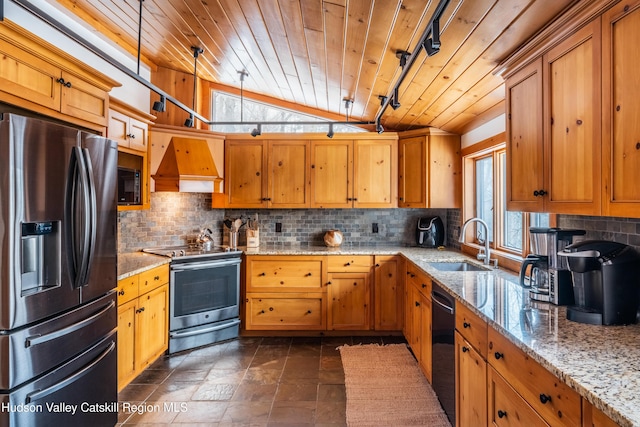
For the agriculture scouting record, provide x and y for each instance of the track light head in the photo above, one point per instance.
(257, 130)
(196, 51)
(189, 122)
(402, 55)
(347, 103)
(379, 128)
(430, 47)
(160, 106)
(382, 99)
(330, 133)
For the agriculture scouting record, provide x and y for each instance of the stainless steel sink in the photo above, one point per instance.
(456, 266)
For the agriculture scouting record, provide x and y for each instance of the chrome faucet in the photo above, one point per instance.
(485, 257)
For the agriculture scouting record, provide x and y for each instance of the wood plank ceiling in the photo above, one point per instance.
(317, 52)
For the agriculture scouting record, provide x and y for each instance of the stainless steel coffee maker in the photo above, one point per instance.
(549, 278)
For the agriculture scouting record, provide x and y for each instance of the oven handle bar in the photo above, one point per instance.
(200, 265)
(179, 334)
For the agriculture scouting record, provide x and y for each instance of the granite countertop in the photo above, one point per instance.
(133, 263)
(602, 363)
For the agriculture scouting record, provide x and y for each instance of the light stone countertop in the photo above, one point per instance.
(132, 263)
(602, 363)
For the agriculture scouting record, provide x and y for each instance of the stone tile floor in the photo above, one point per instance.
(249, 381)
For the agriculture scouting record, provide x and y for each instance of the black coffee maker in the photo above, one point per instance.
(606, 282)
(430, 232)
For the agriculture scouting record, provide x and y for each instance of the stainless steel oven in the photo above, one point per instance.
(204, 296)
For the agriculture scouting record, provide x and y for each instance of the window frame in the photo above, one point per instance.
(507, 257)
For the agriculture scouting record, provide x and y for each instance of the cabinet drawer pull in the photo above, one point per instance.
(308, 311)
(261, 311)
(156, 277)
(466, 325)
(328, 283)
(465, 349)
(308, 274)
(424, 286)
(262, 274)
(501, 414)
(121, 292)
(347, 264)
(544, 398)
(498, 355)
(140, 310)
(377, 265)
(417, 304)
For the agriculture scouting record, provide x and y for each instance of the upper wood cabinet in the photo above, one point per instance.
(620, 111)
(430, 170)
(359, 174)
(553, 128)
(300, 173)
(267, 173)
(128, 131)
(37, 76)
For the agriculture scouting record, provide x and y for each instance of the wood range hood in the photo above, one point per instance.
(187, 166)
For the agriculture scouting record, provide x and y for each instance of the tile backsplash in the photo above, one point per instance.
(174, 217)
(622, 230)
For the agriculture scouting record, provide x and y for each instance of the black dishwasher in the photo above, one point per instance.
(442, 339)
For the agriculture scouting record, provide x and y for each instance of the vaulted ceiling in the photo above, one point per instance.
(318, 52)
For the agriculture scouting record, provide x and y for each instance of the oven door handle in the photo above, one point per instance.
(200, 265)
(204, 330)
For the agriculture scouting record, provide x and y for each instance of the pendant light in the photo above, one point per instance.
(196, 52)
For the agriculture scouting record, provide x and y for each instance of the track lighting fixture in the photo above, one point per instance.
(330, 133)
(257, 130)
(160, 106)
(196, 52)
(395, 104)
(382, 99)
(379, 128)
(430, 47)
(402, 55)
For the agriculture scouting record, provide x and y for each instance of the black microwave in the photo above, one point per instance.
(129, 186)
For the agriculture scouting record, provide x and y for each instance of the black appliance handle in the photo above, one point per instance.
(39, 394)
(39, 339)
(435, 296)
(92, 215)
(80, 230)
(529, 260)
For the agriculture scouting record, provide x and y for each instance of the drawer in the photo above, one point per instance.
(153, 278)
(272, 311)
(348, 263)
(508, 408)
(420, 280)
(472, 328)
(127, 289)
(555, 401)
(293, 274)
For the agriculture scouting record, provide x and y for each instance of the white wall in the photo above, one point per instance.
(131, 92)
(485, 131)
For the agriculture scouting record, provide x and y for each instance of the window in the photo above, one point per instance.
(485, 178)
(228, 108)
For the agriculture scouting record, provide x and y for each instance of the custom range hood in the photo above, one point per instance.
(187, 166)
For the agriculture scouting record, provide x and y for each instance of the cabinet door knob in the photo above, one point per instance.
(466, 325)
(544, 398)
(261, 311)
(424, 286)
(417, 304)
(347, 264)
(539, 193)
(465, 349)
(262, 274)
(270, 308)
(130, 135)
(121, 292)
(498, 355)
(308, 311)
(328, 283)
(501, 414)
(63, 82)
(377, 265)
(308, 274)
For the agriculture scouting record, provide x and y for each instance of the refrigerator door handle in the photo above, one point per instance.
(39, 394)
(39, 339)
(91, 215)
(79, 230)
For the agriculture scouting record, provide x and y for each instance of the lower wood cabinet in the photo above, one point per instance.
(418, 317)
(507, 407)
(471, 384)
(594, 417)
(143, 322)
(334, 292)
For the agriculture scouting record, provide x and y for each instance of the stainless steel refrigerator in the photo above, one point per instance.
(58, 273)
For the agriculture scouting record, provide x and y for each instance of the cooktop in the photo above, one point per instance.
(188, 252)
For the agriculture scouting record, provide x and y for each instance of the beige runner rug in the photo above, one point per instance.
(385, 387)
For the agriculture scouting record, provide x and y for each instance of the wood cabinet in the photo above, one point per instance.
(285, 293)
(430, 170)
(38, 76)
(471, 368)
(594, 417)
(349, 292)
(143, 321)
(418, 317)
(353, 173)
(334, 292)
(130, 128)
(620, 111)
(388, 293)
(552, 399)
(267, 173)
